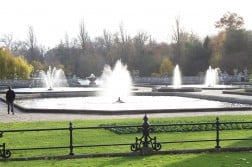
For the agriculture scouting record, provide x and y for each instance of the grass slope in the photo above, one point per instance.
(26, 139)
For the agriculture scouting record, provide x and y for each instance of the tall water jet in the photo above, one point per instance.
(211, 79)
(176, 78)
(116, 82)
(53, 78)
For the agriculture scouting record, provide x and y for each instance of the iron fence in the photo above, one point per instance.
(146, 144)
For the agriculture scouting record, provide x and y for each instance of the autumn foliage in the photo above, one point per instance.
(13, 67)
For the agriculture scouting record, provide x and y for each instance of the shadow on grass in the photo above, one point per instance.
(121, 161)
(217, 159)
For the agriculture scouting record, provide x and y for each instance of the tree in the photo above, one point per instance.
(206, 42)
(216, 46)
(11, 67)
(141, 59)
(236, 47)
(166, 67)
(19, 48)
(124, 45)
(108, 43)
(83, 38)
(7, 41)
(37, 65)
(215, 60)
(31, 42)
(196, 56)
(23, 69)
(178, 36)
(33, 52)
(60, 56)
(230, 21)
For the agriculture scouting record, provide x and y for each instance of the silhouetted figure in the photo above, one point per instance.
(119, 100)
(10, 97)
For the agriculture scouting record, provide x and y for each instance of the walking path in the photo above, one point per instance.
(20, 116)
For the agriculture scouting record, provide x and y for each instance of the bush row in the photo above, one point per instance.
(178, 128)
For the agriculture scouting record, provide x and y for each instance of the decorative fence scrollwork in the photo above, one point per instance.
(5, 153)
(145, 141)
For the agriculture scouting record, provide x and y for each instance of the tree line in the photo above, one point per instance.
(230, 49)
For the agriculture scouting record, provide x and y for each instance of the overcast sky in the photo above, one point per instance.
(52, 19)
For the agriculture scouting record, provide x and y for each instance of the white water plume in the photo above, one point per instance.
(176, 78)
(211, 78)
(53, 78)
(116, 82)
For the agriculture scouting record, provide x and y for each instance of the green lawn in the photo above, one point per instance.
(185, 160)
(102, 136)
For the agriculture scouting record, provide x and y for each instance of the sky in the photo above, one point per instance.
(53, 19)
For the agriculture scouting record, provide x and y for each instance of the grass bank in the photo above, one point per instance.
(102, 136)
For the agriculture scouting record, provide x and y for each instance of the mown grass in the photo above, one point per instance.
(185, 160)
(102, 136)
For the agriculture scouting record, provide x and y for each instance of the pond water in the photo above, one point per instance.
(128, 103)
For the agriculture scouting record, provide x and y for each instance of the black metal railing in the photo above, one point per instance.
(145, 144)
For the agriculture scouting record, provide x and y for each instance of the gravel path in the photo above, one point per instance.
(22, 116)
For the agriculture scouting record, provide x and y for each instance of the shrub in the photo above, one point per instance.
(176, 127)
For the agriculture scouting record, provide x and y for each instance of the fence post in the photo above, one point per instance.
(142, 144)
(146, 133)
(71, 138)
(217, 133)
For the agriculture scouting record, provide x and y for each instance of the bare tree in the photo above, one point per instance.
(123, 35)
(7, 41)
(19, 48)
(124, 44)
(139, 42)
(31, 38)
(178, 36)
(108, 43)
(67, 44)
(83, 38)
(31, 43)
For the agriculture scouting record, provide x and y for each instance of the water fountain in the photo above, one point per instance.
(53, 78)
(115, 97)
(116, 83)
(53, 83)
(177, 84)
(211, 79)
(176, 78)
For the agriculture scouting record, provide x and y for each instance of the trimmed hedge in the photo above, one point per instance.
(206, 126)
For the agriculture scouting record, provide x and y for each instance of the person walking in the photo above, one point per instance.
(10, 97)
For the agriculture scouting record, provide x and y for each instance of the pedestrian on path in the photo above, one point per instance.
(10, 97)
